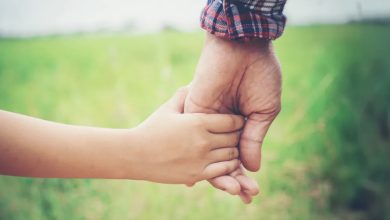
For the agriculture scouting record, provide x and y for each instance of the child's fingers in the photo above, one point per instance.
(222, 123)
(225, 140)
(220, 168)
(223, 154)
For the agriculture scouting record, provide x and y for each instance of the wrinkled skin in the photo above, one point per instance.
(244, 79)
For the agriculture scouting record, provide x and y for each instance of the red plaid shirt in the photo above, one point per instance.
(244, 19)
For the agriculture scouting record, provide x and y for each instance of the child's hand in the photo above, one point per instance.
(186, 148)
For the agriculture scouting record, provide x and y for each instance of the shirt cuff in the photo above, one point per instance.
(244, 19)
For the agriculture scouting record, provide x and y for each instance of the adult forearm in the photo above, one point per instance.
(39, 148)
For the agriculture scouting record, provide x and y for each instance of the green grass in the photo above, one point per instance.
(326, 156)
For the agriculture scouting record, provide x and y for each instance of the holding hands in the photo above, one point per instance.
(187, 148)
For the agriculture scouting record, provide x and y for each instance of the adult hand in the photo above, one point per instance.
(239, 78)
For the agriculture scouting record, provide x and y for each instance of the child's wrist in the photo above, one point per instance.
(132, 143)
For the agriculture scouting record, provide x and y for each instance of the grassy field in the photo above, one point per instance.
(326, 156)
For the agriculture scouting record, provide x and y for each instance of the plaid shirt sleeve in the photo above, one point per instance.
(244, 19)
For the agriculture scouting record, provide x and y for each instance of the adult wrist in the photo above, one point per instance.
(243, 52)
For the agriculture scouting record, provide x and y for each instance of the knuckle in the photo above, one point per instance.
(198, 122)
(232, 153)
(235, 153)
(232, 121)
(272, 112)
(226, 168)
(203, 143)
(278, 109)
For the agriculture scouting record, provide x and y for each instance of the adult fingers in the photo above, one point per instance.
(223, 154)
(252, 138)
(222, 123)
(248, 185)
(246, 198)
(220, 168)
(227, 184)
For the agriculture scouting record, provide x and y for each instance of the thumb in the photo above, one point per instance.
(176, 103)
(252, 137)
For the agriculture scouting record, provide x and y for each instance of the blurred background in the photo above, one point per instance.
(111, 63)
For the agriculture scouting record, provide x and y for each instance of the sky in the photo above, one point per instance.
(41, 17)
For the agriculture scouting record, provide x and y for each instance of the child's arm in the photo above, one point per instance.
(169, 147)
